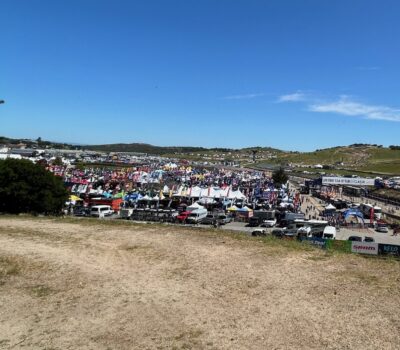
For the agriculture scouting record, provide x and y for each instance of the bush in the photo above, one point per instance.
(29, 188)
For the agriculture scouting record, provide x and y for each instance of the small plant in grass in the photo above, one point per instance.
(9, 266)
(40, 290)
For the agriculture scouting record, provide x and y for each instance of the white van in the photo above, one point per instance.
(101, 211)
(196, 216)
(329, 232)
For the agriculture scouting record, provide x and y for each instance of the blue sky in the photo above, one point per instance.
(290, 74)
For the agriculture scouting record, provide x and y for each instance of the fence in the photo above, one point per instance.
(367, 248)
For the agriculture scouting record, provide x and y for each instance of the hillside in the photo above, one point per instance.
(149, 149)
(364, 158)
(90, 284)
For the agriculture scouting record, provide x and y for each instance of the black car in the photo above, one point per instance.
(80, 211)
(254, 221)
(369, 239)
(259, 232)
(279, 233)
(355, 239)
(209, 220)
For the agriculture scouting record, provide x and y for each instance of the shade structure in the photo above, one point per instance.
(247, 209)
(195, 206)
(74, 198)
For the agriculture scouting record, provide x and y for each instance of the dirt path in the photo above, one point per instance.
(97, 286)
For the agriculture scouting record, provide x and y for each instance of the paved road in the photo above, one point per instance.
(343, 234)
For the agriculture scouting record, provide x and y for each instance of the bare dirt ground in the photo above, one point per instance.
(100, 285)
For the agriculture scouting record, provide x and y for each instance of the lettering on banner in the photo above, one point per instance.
(364, 248)
(389, 249)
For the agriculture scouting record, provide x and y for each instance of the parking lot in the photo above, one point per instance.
(343, 234)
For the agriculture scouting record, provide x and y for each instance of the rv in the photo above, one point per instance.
(309, 228)
(289, 216)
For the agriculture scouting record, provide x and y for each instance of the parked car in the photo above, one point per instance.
(369, 239)
(329, 232)
(80, 211)
(259, 232)
(254, 221)
(304, 231)
(355, 239)
(382, 229)
(277, 232)
(183, 216)
(224, 219)
(196, 216)
(210, 219)
(268, 223)
(101, 211)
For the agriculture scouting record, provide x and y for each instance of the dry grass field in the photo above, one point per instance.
(87, 284)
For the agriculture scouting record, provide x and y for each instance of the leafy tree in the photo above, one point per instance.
(80, 166)
(279, 176)
(57, 161)
(26, 187)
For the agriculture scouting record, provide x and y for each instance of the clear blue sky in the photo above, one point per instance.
(291, 74)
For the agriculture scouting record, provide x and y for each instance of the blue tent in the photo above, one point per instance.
(353, 212)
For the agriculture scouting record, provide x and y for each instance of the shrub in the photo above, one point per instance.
(26, 187)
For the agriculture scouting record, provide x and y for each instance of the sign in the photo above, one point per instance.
(389, 249)
(358, 181)
(364, 248)
(316, 241)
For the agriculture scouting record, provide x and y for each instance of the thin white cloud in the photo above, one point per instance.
(346, 106)
(243, 97)
(369, 68)
(295, 97)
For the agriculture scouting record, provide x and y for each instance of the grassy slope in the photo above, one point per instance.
(365, 159)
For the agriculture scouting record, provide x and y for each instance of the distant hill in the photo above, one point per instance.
(363, 157)
(150, 149)
(38, 143)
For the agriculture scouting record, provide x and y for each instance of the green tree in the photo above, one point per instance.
(58, 161)
(79, 166)
(279, 176)
(26, 187)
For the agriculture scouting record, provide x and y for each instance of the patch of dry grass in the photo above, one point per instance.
(9, 266)
(40, 290)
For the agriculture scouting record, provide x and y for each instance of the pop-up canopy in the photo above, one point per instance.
(195, 206)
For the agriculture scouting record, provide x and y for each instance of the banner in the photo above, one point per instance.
(316, 241)
(364, 248)
(358, 181)
(389, 249)
(341, 246)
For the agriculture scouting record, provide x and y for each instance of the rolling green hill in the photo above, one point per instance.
(358, 157)
(365, 158)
